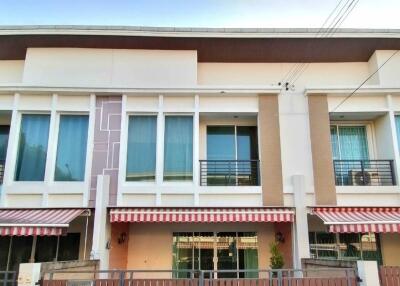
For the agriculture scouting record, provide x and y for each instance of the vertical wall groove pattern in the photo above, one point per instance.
(106, 144)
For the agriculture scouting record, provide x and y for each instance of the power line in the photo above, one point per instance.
(332, 30)
(370, 76)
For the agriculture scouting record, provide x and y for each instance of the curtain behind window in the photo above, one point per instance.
(353, 143)
(32, 148)
(397, 120)
(178, 148)
(71, 150)
(141, 160)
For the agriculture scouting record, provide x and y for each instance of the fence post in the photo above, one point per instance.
(121, 278)
(201, 278)
(368, 272)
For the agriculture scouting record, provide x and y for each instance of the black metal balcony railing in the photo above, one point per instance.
(229, 172)
(2, 164)
(364, 172)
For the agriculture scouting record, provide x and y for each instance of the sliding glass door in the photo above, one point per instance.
(215, 251)
(230, 151)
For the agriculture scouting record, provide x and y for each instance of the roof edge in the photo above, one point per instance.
(196, 32)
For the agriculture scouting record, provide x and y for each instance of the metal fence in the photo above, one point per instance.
(8, 278)
(364, 172)
(256, 277)
(229, 172)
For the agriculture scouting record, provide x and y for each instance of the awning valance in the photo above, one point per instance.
(359, 219)
(23, 222)
(201, 215)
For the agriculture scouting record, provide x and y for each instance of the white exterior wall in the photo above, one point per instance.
(74, 69)
(109, 68)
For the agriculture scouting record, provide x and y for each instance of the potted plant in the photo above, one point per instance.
(276, 259)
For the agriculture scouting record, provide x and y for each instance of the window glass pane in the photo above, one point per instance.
(221, 143)
(69, 247)
(46, 248)
(334, 143)
(371, 247)
(204, 251)
(4, 131)
(353, 143)
(32, 148)
(71, 150)
(326, 245)
(247, 143)
(247, 246)
(4, 246)
(20, 251)
(350, 246)
(182, 254)
(227, 254)
(141, 161)
(397, 120)
(178, 148)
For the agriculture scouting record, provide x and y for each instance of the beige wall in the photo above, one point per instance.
(150, 245)
(110, 68)
(11, 71)
(324, 183)
(390, 246)
(270, 150)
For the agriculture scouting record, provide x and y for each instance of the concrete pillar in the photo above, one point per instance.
(324, 181)
(101, 228)
(368, 272)
(270, 150)
(301, 245)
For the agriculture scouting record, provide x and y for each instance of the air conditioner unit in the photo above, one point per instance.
(364, 178)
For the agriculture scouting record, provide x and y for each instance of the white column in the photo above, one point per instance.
(12, 149)
(368, 272)
(101, 229)
(300, 233)
(196, 150)
(160, 148)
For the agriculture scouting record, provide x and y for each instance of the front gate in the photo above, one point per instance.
(8, 278)
(389, 275)
(284, 277)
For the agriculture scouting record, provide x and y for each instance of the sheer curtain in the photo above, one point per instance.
(32, 148)
(178, 148)
(141, 162)
(71, 149)
(353, 143)
(397, 120)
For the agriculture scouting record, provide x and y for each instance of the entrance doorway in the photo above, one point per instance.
(215, 251)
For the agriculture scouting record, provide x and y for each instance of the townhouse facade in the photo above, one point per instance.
(185, 148)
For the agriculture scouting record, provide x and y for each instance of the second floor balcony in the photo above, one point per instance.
(229, 173)
(364, 173)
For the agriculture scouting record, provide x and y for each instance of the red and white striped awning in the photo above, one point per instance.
(359, 219)
(201, 215)
(23, 222)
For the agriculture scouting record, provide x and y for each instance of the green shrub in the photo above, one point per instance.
(276, 260)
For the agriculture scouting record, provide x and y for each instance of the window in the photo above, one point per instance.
(32, 147)
(232, 250)
(44, 249)
(397, 120)
(345, 246)
(349, 142)
(4, 131)
(232, 156)
(141, 160)
(178, 148)
(71, 149)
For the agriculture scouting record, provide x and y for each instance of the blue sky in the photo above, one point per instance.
(200, 13)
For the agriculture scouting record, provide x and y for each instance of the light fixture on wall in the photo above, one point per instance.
(279, 237)
(122, 238)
